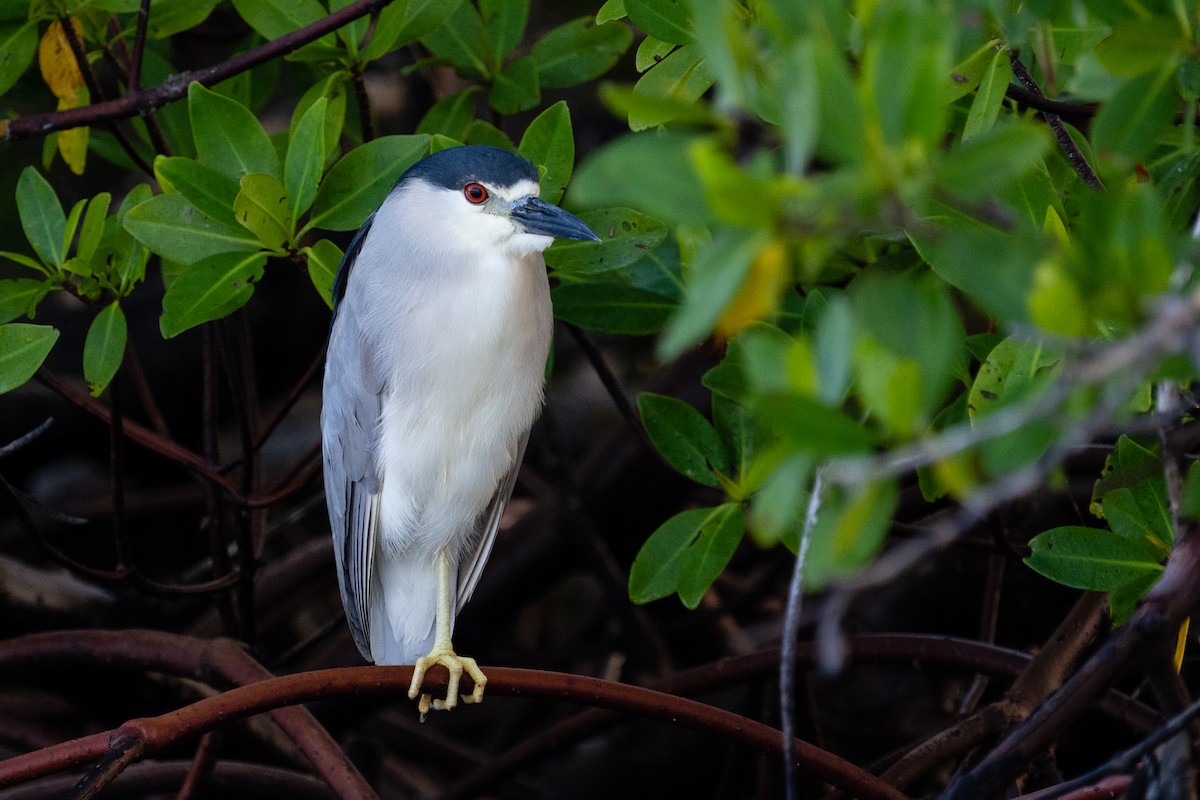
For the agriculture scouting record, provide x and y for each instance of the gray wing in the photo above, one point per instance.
(350, 412)
(470, 569)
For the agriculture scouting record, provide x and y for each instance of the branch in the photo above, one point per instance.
(143, 101)
(1070, 149)
(154, 734)
(221, 661)
(1176, 595)
(138, 433)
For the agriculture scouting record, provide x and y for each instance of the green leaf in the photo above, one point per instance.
(610, 308)
(681, 78)
(549, 142)
(18, 44)
(667, 187)
(20, 297)
(401, 23)
(1141, 44)
(611, 10)
(274, 18)
(451, 116)
(482, 132)
(985, 108)
(684, 437)
(228, 137)
(650, 52)
(505, 23)
(719, 271)
(657, 570)
(849, 531)
(210, 289)
(1014, 370)
(169, 17)
(991, 160)
(662, 19)
(623, 101)
(23, 348)
(841, 134)
(359, 182)
(811, 426)
(953, 249)
(777, 508)
(71, 227)
(1140, 112)
(906, 52)
(104, 348)
(333, 91)
(705, 558)
(305, 159)
(24, 260)
(42, 216)
(909, 346)
(625, 237)
(743, 434)
(211, 192)
(577, 52)
(1133, 467)
(515, 88)
(323, 259)
(464, 42)
(172, 227)
(262, 206)
(1131, 520)
(94, 222)
(1093, 559)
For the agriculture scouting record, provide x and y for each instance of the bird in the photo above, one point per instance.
(434, 374)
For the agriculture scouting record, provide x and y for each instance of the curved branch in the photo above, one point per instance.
(142, 101)
(154, 734)
(220, 662)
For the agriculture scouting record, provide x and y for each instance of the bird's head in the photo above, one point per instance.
(478, 196)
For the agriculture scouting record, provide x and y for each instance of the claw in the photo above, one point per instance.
(455, 665)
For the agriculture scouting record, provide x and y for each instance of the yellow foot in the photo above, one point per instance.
(455, 664)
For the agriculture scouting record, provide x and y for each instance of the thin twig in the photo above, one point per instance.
(176, 86)
(611, 384)
(133, 80)
(791, 629)
(1071, 150)
(364, 105)
(24, 439)
(201, 768)
(132, 366)
(93, 85)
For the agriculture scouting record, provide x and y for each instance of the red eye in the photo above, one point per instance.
(475, 193)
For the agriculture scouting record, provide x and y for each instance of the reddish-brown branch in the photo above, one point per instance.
(221, 662)
(944, 651)
(158, 733)
(1176, 595)
(225, 662)
(175, 87)
(136, 432)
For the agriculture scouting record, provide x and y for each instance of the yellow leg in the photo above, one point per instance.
(443, 653)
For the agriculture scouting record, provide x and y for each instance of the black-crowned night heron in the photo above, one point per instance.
(434, 374)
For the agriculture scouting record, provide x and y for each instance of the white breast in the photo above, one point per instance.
(463, 346)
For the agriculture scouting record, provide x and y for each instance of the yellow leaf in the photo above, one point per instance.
(59, 68)
(73, 143)
(760, 295)
(1180, 644)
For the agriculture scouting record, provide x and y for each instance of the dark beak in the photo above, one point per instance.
(537, 216)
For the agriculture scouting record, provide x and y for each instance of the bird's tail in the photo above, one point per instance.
(403, 613)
